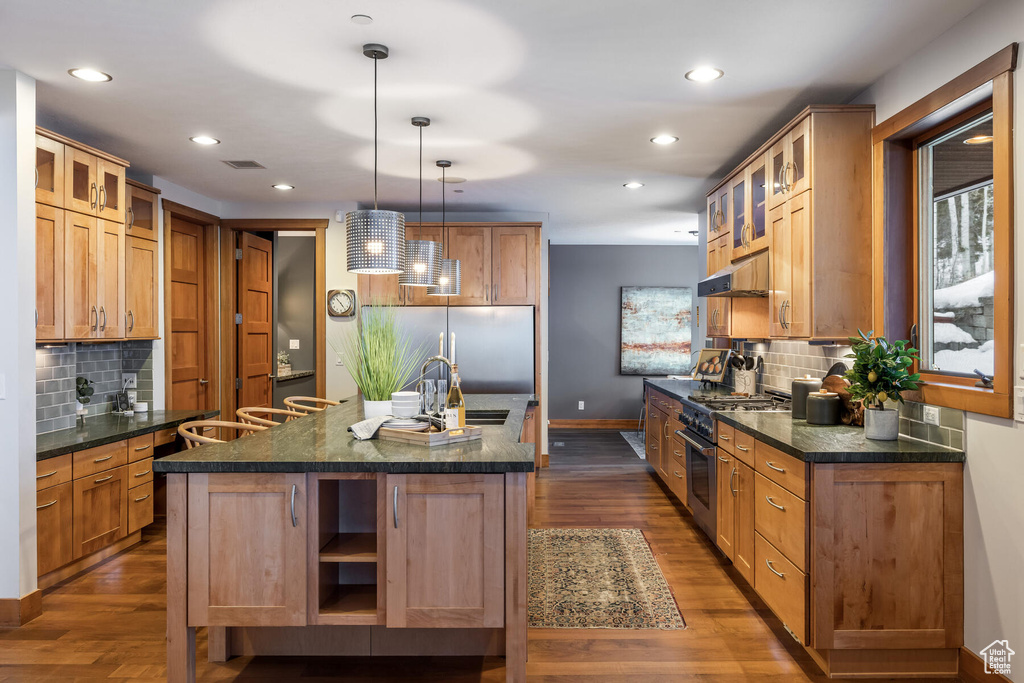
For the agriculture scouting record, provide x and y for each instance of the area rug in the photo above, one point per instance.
(637, 442)
(597, 578)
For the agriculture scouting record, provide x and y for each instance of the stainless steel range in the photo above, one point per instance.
(701, 437)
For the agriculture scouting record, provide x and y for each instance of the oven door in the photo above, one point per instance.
(701, 481)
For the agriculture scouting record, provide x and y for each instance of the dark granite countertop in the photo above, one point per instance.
(295, 375)
(321, 443)
(110, 427)
(814, 443)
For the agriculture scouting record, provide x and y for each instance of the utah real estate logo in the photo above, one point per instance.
(997, 657)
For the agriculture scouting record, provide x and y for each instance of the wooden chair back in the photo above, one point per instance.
(309, 404)
(267, 417)
(194, 432)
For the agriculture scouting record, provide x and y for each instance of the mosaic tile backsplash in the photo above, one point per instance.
(103, 364)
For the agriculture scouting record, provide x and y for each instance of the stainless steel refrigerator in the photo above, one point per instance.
(494, 344)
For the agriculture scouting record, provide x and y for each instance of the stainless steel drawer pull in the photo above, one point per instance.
(774, 570)
(142, 448)
(295, 520)
(774, 504)
(394, 506)
(142, 474)
(46, 505)
(103, 479)
(773, 466)
(743, 448)
(44, 476)
(723, 459)
(681, 455)
(723, 437)
(103, 459)
(139, 500)
(677, 474)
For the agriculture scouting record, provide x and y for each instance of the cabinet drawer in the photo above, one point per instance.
(165, 436)
(784, 470)
(140, 472)
(140, 447)
(744, 448)
(675, 468)
(661, 401)
(781, 518)
(54, 545)
(140, 506)
(93, 460)
(782, 586)
(726, 437)
(53, 471)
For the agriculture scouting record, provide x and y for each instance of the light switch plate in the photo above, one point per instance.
(931, 415)
(293, 343)
(581, 405)
(130, 380)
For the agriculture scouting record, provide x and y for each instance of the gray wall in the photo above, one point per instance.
(294, 295)
(584, 307)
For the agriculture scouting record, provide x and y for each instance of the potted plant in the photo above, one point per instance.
(83, 394)
(881, 372)
(284, 364)
(379, 357)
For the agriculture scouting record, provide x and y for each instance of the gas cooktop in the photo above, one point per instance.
(758, 402)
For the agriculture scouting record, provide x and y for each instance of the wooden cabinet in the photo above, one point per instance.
(445, 550)
(247, 549)
(743, 558)
(81, 276)
(140, 506)
(657, 422)
(789, 295)
(49, 273)
(100, 507)
(379, 289)
(718, 214)
(142, 213)
(514, 265)
(49, 171)
(471, 245)
(111, 182)
(726, 513)
(111, 276)
(94, 185)
(719, 309)
(54, 523)
(142, 278)
(782, 586)
(417, 296)
(752, 235)
(789, 163)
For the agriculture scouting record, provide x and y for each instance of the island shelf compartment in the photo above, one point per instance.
(347, 551)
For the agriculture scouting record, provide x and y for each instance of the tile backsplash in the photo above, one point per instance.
(103, 364)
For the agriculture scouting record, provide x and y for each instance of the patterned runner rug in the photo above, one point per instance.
(597, 578)
(636, 441)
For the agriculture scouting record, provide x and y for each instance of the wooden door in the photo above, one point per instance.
(81, 191)
(110, 179)
(54, 544)
(111, 279)
(247, 549)
(49, 273)
(514, 266)
(472, 246)
(798, 312)
(445, 550)
(797, 176)
(100, 510)
(776, 167)
(190, 354)
(81, 271)
(726, 513)
(49, 171)
(256, 333)
(740, 215)
(780, 273)
(142, 302)
(743, 558)
(417, 296)
(757, 232)
(141, 218)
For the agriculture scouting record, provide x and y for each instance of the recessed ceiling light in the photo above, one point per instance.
(204, 140)
(283, 186)
(633, 185)
(451, 180)
(91, 75)
(664, 139)
(703, 74)
(979, 140)
(362, 19)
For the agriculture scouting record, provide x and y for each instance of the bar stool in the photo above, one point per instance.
(309, 404)
(194, 432)
(266, 416)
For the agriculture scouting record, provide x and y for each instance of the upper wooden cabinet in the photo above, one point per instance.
(718, 213)
(142, 303)
(49, 273)
(93, 184)
(471, 245)
(111, 276)
(417, 296)
(81, 276)
(789, 162)
(141, 219)
(752, 235)
(49, 171)
(514, 265)
(719, 308)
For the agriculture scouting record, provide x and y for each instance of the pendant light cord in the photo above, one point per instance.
(421, 175)
(443, 215)
(375, 133)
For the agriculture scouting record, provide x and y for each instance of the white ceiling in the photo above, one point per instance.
(542, 106)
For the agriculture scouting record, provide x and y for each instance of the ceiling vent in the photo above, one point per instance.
(244, 165)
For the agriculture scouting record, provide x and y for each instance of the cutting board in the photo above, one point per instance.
(431, 438)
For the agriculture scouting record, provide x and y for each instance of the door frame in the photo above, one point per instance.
(229, 297)
(209, 223)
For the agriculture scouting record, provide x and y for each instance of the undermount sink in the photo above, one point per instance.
(486, 417)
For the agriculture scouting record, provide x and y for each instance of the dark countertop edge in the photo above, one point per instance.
(119, 436)
(941, 454)
(392, 467)
(296, 375)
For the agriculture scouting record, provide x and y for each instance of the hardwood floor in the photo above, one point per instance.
(109, 623)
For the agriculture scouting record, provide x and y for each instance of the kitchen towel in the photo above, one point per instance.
(367, 429)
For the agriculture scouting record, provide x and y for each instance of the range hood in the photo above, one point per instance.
(747, 278)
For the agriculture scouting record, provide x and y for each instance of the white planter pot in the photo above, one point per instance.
(882, 425)
(376, 408)
(79, 409)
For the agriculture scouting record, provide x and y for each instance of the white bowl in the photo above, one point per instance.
(404, 411)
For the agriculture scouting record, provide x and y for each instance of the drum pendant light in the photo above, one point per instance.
(450, 281)
(422, 257)
(375, 239)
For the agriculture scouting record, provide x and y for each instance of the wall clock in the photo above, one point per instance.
(341, 303)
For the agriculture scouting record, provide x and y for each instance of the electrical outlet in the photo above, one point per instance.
(293, 343)
(931, 415)
(581, 405)
(130, 380)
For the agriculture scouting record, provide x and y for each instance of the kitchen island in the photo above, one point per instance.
(301, 540)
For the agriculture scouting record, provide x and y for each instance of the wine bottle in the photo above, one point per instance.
(455, 406)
